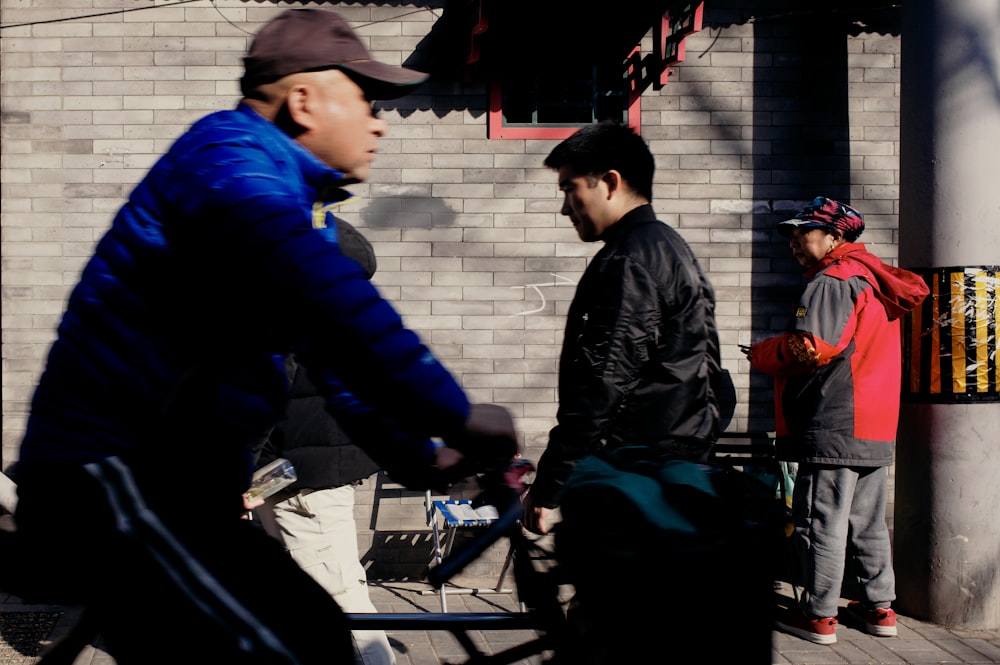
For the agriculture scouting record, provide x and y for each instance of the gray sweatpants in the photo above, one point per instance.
(840, 528)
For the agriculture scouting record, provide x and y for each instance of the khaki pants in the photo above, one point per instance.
(319, 531)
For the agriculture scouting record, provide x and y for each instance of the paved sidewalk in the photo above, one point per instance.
(918, 643)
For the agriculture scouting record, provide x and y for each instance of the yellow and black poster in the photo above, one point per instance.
(950, 340)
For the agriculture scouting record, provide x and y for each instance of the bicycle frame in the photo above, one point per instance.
(543, 615)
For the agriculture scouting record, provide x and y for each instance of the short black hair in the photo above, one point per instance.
(596, 149)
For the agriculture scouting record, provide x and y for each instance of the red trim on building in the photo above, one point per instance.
(496, 130)
(668, 38)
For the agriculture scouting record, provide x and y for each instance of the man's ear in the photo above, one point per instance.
(613, 180)
(299, 102)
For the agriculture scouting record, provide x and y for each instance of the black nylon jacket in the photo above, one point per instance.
(309, 437)
(640, 359)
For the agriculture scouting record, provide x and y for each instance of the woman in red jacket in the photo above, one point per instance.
(837, 370)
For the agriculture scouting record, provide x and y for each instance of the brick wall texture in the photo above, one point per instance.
(760, 117)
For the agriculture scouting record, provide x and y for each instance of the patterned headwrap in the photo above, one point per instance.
(829, 214)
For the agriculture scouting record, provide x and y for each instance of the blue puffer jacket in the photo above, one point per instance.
(173, 342)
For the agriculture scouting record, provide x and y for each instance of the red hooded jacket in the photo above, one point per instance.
(838, 366)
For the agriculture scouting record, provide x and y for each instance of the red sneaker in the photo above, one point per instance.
(880, 622)
(818, 631)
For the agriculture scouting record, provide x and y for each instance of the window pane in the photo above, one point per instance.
(574, 95)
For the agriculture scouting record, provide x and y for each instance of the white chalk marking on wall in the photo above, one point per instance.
(537, 288)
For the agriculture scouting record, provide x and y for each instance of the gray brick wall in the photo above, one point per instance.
(471, 247)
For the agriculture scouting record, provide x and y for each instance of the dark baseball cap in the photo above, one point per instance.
(311, 40)
(825, 213)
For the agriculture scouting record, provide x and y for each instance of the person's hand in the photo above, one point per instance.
(249, 504)
(535, 519)
(494, 422)
(747, 351)
(487, 442)
(446, 458)
(489, 437)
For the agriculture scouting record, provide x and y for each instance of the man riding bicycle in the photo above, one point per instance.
(168, 369)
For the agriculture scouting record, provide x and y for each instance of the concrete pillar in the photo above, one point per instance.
(947, 514)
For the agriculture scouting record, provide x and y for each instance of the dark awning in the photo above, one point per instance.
(481, 38)
(548, 35)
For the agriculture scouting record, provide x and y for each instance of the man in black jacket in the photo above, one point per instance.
(638, 375)
(640, 360)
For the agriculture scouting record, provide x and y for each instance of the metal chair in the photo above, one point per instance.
(450, 515)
